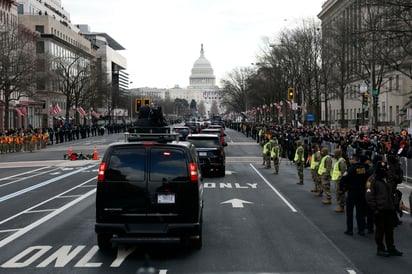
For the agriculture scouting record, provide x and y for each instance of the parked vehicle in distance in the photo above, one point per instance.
(149, 189)
(182, 131)
(194, 127)
(211, 153)
(217, 131)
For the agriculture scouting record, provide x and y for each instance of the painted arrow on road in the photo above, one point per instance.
(236, 203)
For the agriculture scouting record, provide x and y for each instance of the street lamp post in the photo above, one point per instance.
(363, 90)
(131, 104)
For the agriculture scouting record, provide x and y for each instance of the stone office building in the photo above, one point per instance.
(391, 90)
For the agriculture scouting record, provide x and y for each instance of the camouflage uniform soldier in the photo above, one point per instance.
(314, 165)
(339, 168)
(39, 140)
(21, 141)
(27, 140)
(9, 143)
(324, 171)
(33, 141)
(16, 143)
(275, 154)
(267, 148)
(299, 160)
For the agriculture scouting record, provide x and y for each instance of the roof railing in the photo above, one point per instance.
(156, 134)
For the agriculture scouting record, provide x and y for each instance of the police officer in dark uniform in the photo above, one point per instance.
(379, 196)
(353, 182)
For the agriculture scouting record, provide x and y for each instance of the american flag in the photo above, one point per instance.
(95, 114)
(21, 111)
(81, 111)
(54, 109)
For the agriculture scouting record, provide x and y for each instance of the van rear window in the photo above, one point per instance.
(168, 164)
(126, 164)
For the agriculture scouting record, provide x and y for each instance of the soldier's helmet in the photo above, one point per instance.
(298, 142)
(337, 153)
(324, 151)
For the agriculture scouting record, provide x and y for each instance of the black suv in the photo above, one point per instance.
(211, 153)
(149, 189)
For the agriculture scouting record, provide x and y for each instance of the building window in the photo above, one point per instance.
(397, 114)
(390, 114)
(40, 47)
(397, 82)
(41, 65)
(40, 28)
(41, 84)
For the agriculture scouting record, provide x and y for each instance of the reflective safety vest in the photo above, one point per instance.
(314, 164)
(297, 155)
(266, 148)
(322, 168)
(275, 152)
(336, 173)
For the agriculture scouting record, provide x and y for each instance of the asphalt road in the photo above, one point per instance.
(254, 221)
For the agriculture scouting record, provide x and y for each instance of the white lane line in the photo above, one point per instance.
(275, 190)
(19, 174)
(25, 190)
(44, 202)
(24, 178)
(26, 229)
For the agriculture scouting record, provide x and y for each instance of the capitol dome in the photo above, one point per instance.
(202, 72)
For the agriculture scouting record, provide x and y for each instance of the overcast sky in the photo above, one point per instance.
(162, 38)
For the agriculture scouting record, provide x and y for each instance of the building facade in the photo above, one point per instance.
(111, 71)
(8, 20)
(59, 40)
(361, 96)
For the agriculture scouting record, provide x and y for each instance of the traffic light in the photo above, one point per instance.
(138, 105)
(291, 94)
(365, 100)
(146, 102)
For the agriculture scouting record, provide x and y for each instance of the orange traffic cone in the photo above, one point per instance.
(95, 154)
(70, 152)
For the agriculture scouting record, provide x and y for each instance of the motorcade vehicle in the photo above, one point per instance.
(182, 131)
(149, 189)
(217, 131)
(211, 153)
(194, 127)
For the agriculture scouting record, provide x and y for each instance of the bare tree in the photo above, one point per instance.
(397, 30)
(201, 108)
(339, 42)
(293, 62)
(236, 93)
(372, 45)
(214, 110)
(74, 77)
(17, 65)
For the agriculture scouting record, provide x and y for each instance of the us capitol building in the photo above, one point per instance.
(202, 87)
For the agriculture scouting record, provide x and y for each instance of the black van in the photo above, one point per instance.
(149, 190)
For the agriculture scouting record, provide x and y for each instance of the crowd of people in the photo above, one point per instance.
(363, 169)
(30, 139)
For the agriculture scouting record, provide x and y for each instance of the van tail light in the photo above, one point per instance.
(194, 177)
(100, 175)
